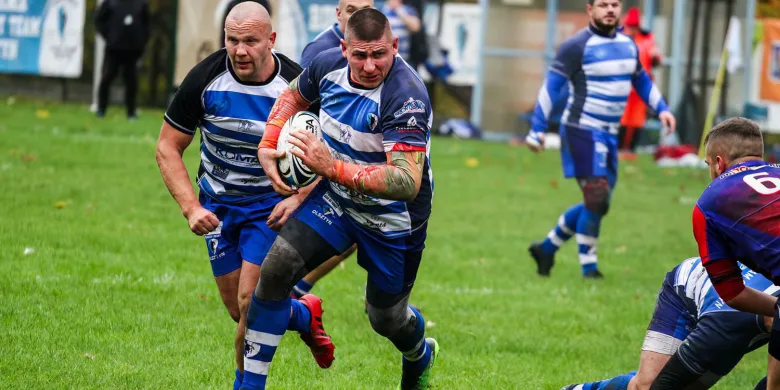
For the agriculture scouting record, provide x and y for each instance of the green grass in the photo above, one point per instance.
(118, 292)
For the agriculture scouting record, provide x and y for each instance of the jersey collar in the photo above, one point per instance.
(598, 32)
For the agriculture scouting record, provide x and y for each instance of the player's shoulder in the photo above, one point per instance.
(403, 82)
(328, 61)
(288, 69)
(207, 69)
(576, 43)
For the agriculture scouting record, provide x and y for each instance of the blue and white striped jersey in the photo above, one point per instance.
(694, 286)
(231, 115)
(600, 70)
(400, 30)
(361, 125)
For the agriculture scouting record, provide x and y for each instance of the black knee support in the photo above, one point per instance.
(595, 190)
(675, 375)
(297, 249)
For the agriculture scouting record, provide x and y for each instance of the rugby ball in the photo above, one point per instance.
(291, 168)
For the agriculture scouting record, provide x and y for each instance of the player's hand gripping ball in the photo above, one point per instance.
(291, 168)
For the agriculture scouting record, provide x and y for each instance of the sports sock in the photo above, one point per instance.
(300, 320)
(616, 383)
(238, 380)
(588, 226)
(302, 288)
(266, 322)
(412, 344)
(567, 224)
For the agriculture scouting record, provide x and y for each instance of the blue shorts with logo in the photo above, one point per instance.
(242, 233)
(391, 263)
(589, 153)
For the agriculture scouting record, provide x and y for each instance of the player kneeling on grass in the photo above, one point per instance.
(694, 338)
(375, 191)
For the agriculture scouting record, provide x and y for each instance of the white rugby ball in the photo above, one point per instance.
(291, 168)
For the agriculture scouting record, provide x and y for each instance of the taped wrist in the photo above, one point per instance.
(287, 104)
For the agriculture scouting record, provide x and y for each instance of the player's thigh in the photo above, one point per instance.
(391, 264)
(586, 153)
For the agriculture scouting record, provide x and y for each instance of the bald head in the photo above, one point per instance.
(248, 12)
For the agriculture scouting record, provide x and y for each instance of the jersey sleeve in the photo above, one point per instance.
(309, 80)
(568, 59)
(721, 266)
(405, 120)
(646, 89)
(186, 108)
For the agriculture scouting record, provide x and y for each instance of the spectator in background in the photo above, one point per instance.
(230, 5)
(125, 26)
(404, 21)
(635, 115)
(419, 40)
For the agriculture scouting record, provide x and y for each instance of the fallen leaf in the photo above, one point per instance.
(27, 157)
(636, 297)
(42, 114)
(554, 184)
(88, 355)
(61, 204)
(682, 187)
(29, 251)
(203, 297)
(472, 162)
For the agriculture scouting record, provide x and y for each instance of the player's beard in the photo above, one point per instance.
(608, 28)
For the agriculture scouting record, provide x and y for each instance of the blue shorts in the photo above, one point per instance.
(391, 263)
(589, 153)
(242, 233)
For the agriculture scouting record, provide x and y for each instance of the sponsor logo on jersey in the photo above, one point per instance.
(245, 126)
(220, 172)
(373, 121)
(411, 106)
(411, 122)
(241, 158)
(334, 205)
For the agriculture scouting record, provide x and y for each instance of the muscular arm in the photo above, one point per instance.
(287, 104)
(170, 148)
(399, 179)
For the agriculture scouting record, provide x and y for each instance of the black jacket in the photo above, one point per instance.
(124, 24)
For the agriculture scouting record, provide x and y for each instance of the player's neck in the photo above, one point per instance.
(607, 33)
(267, 72)
(744, 160)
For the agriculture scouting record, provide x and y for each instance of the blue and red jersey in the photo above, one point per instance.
(737, 218)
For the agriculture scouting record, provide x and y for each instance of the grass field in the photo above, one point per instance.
(103, 285)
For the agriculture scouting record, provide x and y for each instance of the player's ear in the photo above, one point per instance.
(395, 46)
(343, 48)
(720, 165)
(272, 39)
